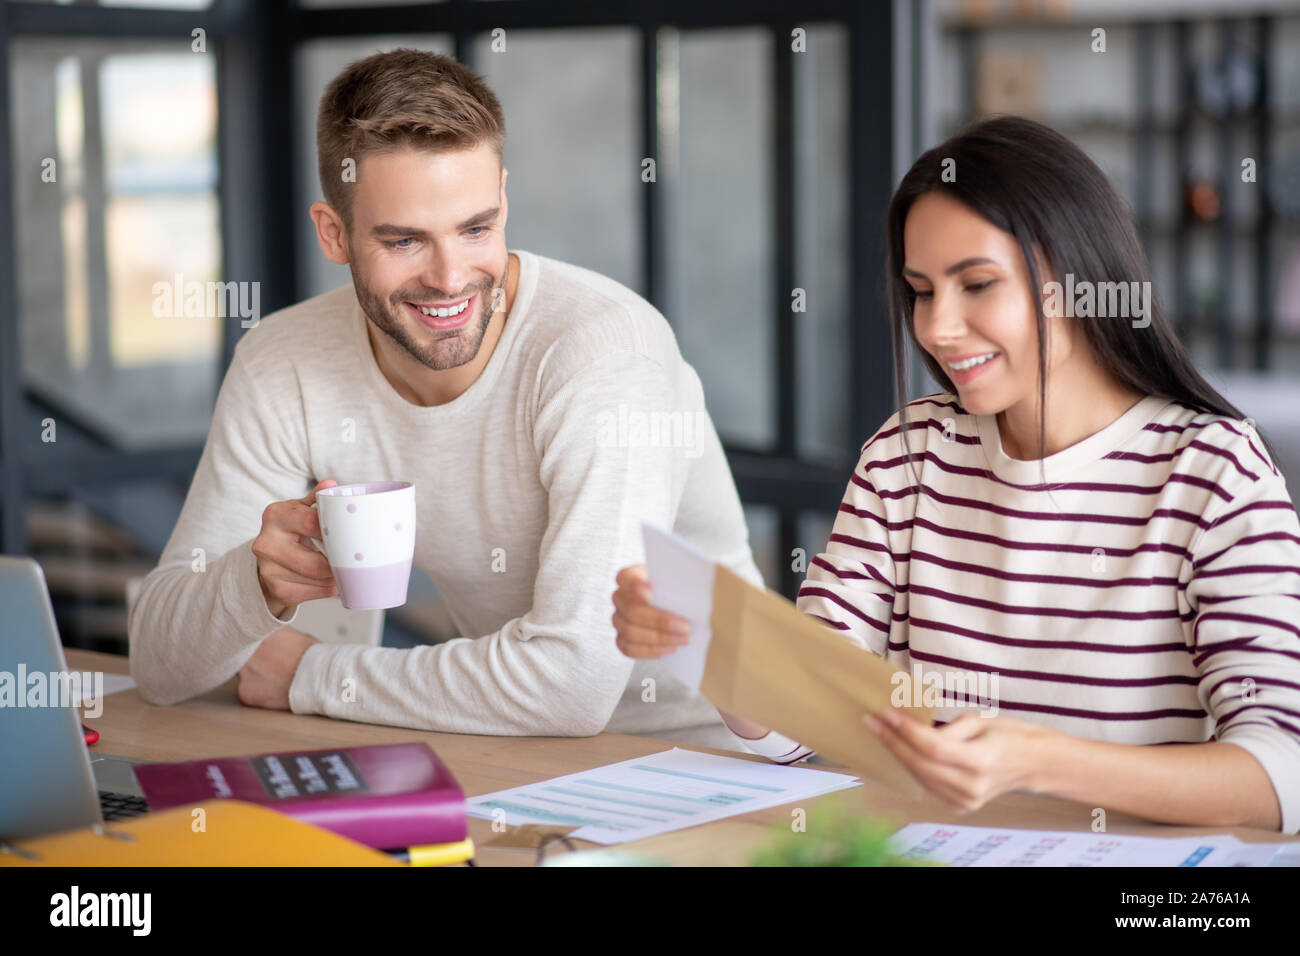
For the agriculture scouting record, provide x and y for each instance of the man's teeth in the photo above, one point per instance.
(444, 313)
(971, 362)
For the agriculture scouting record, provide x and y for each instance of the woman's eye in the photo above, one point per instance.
(926, 294)
(980, 286)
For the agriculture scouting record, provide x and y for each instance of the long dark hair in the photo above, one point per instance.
(1034, 184)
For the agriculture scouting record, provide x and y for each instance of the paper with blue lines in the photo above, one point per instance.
(646, 796)
(956, 845)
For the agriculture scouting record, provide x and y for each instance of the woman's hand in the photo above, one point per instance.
(970, 761)
(643, 630)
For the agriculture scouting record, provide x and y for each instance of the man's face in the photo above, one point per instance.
(427, 249)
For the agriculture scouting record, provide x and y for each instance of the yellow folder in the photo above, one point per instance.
(214, 833)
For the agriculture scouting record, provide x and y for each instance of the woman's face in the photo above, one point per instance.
(974, 309)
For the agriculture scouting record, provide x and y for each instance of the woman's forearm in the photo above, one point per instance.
(1209, 784)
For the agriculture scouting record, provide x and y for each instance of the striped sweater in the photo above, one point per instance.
(1149, 593)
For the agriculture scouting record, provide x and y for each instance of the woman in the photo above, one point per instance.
(1080, 516)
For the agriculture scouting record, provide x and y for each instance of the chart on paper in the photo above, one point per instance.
(953, 845)
(649, 795)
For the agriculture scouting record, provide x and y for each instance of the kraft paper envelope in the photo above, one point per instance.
(772, 663)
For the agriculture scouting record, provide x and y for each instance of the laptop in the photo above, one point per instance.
(50, 781)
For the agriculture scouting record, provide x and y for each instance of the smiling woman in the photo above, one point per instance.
(1033, 213)
(1080, 513)
(1078, 516)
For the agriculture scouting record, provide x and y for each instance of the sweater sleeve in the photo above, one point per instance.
(850, 586)
(556, 670)
(1245, 593)
(201, 613)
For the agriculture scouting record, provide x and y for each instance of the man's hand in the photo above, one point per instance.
(289, 568)
(970, 761)
(642, 629)
(265, 680)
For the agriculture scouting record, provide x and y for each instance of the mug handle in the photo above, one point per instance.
(320, 545)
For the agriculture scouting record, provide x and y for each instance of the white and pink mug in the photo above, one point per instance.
(368, 535)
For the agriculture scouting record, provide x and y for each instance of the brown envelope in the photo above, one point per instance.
(772, 663)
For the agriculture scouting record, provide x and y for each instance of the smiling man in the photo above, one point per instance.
(486, 377)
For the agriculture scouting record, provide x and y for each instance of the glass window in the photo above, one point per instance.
(115, 179)
(764, 524)
(144, 4)
(814, 530)
(715, 171)
(572, 144)
(361, 3)
(822, 250)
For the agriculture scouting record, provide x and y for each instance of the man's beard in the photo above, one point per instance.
(449, 349)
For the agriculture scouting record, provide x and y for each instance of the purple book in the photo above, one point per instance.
(387, 796)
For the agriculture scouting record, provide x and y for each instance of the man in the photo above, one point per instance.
(542, 412)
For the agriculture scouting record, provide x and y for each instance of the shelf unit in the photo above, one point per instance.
(1246, 243)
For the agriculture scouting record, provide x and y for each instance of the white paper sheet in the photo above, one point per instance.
(682, 581)
(985, 846)
(112, 684)
(650, 795)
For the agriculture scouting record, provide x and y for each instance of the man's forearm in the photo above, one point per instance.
(1209, 784)
(745, 729)
(191, 629)
(494, 684)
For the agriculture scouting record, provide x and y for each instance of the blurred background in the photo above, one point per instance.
(145, 139)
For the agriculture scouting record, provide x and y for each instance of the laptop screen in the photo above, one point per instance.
(46, 784)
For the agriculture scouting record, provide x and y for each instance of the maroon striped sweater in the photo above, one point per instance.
(1150, 593)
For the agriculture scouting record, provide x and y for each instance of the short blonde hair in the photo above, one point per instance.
(402, 98)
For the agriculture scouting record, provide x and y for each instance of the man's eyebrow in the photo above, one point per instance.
(487, 215)
(390, 229)
(393, 229)
(955, 267)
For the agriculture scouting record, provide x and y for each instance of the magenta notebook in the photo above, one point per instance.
(387, 796)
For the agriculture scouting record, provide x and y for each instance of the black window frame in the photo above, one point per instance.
(255, 40)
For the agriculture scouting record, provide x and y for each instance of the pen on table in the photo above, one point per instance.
(436, 854)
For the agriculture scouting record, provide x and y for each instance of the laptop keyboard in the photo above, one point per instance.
(119, 806)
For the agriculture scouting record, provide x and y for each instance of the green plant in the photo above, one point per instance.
(835, 835)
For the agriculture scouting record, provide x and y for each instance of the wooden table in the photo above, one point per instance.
(217, 725)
